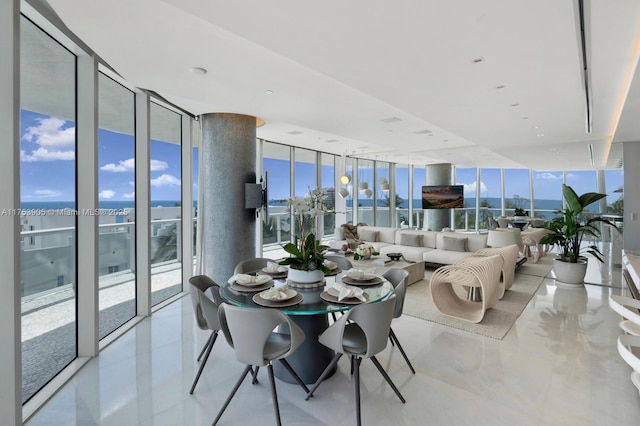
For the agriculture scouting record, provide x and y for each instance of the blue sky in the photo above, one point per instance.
(48, 163)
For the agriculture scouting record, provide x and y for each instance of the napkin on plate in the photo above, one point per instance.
(357, 274)
(249, 279)
(347, 291)
(329, 264)
(276, 293)
(274, 268)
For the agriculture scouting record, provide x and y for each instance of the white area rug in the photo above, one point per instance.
(498, 320)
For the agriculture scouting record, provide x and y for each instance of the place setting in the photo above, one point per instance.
(278, 297)
(343, 294)
(359, 277)
(333, 267)
(246, 283)
(274, 270)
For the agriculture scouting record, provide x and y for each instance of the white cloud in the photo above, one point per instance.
(106, 194)
(44, 193)
(547, 175)
(165, 179)
(43, 154)
(49, 133)
(470, 188)
(52, 140)
(129, 196)
(130, 163)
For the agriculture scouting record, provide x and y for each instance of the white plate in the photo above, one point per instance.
(361, 277)
(290, 294)
(260, 280)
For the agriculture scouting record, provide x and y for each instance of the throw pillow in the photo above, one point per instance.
(454, 244)
(368, 235)
(412, 240)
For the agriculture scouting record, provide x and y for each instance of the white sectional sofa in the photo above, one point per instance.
(434, 248)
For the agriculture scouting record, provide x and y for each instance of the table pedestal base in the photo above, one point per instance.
(311, 358)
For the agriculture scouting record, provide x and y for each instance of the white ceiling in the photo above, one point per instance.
(342, 72)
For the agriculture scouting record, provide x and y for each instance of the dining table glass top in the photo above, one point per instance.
(312, 303)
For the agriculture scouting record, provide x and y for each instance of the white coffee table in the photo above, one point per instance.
(416, 270)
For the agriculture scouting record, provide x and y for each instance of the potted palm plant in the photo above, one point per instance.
(567, 232)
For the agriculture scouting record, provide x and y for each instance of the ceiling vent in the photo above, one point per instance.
(295, 132)
(422, 132)
(333, 141)
(391, 120)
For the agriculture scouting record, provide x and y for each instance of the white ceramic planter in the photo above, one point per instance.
(570, 273)
(305, 277)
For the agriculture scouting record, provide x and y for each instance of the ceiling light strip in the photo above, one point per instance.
(584, 38)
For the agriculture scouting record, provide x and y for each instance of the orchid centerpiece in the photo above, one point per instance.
(306, 251)
(364, 251)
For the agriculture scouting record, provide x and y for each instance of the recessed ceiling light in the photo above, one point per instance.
(445, 140)
(515, 105)
(420, 132)
(390, 120)
(477, 60)
(198, 71)
(295, 132)
(269, 92)
(525, 118)
(502, 86)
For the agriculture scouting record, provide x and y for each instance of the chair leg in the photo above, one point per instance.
(393, 336)
(206, 345)
(324, 375)
(233, 392)
(356, 385)
(294, 374)
(274, 395)
(387, 378)
(211, 341)
(254, 373)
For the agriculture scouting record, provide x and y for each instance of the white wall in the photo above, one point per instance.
(631, 233)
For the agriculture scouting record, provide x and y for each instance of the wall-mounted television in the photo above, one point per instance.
(443, 197)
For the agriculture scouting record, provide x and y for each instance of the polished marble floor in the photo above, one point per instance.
(558, 365)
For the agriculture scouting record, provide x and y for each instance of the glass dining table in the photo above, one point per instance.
(312, 315)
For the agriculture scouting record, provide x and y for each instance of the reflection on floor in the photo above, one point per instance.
(558, 365)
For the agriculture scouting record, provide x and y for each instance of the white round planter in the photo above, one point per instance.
(570, 273)
(305, 277)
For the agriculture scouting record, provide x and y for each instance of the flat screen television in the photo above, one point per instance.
(443, 197)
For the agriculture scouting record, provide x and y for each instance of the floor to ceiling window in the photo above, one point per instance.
(490, 196)
(517, 192)
(366, 186)
(48, 202)
(327, 183)
(166, 202)
(547, 190)
(419, 179)
(465, 218)
(276, 163)
(116, 197)
(402, 195)
(614, 188)
(382, 191)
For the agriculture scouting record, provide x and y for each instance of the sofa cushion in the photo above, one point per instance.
(411, 240)
(444, 257)
(454, 244)
(368, 235)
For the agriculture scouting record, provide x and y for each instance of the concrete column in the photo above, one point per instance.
(438, 174)
(227, 162)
